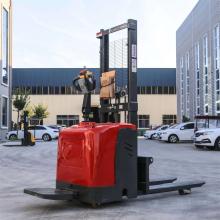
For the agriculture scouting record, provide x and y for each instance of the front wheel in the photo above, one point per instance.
(151, 137)
(217, 144)
(46, 137)
(173, 138)
(13, 137)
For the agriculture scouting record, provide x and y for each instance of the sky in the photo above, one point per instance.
(55, 33)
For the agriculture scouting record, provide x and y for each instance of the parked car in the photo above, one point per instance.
(56, 127)
(207, 122)
(151, 134)
(180, 132)
(209, 138)
(39, 132)
(159, 133)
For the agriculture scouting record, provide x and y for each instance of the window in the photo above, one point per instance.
(169, 119)
(205, 72)
(216, 42)
(154, 90)
(143, 90)
(67, 120)
(189, 126)
(160, 90)
(37, 127)
(172, 90)
(218, 106)
(205, 51)
(182, 86)
(197, 56)
(33, 90)
(57, 90)
(68, 90)
(39, 90)
(148, 89)
(74, 91)
(5, 47)
(164, 128)
(40, 128)
(143, 121)
(51, 90)
(28, 89)
(166, 90)
(216, 47)
(197, 77)
(45, 90)
(35, 121)
(206, 109)
(4, 112)
(14, 90)
(63, 90)
(31, 128)
(187, 85)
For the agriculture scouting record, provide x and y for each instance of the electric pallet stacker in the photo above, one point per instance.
(28, 138)
(97, 162)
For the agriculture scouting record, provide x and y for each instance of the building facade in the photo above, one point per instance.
(5, 66)
(53, 88)
(198, 54)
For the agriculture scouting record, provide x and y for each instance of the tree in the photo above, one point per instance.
(40, 112)
(21, 100)
(29, 111)
(185, 119)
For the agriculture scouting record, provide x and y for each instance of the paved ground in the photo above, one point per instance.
(22, 167)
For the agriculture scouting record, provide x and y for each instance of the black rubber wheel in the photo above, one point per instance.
(46, 137)
(151, 137)
(173, 139)
(183, 192)
(217, 144)
(96, 205)
(13, 137)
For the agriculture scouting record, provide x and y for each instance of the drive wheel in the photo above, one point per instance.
(183, 192)
(46, 137)
(151, 137)
(173, 138)
(96, 205)
(13, 137)
(217, 144)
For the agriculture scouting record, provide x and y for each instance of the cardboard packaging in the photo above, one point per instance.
(108, 85)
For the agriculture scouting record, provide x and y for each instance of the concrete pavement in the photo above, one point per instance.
(23, 167)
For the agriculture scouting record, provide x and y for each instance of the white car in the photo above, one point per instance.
(179, 132)
(39, 132)
(209, 138)
(159, 133)
(57, 127)
(150, 134)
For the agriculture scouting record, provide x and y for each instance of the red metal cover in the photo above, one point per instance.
(86, 154)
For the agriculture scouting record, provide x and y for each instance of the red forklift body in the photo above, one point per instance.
(86, 154)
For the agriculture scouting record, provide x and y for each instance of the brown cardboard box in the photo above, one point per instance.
(108, 85)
